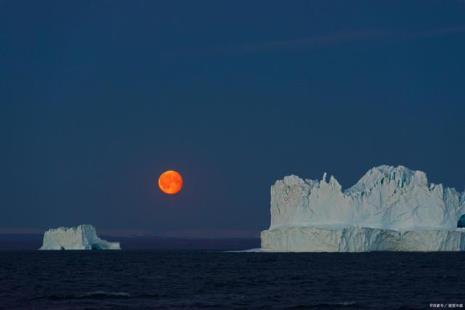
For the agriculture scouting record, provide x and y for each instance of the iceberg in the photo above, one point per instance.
(388, 209)
(82, 237)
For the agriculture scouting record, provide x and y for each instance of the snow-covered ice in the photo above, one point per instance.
(388, 209)
(82, 237)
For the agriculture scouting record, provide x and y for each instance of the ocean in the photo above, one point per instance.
(179, 279)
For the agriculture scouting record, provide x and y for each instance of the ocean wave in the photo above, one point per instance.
(99, 295)
(88, 295)
(329, 305)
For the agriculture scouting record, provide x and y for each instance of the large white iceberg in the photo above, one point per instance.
(82, 237)
(389, 209)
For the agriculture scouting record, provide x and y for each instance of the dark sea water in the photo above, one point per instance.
(200, 279)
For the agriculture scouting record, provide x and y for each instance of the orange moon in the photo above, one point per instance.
(170, 182)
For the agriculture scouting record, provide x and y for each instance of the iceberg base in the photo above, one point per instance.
(360, 239)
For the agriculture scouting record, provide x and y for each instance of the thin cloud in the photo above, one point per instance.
(21, 231)
(349, 37)
(100, 232)
(319, 41)
(315, 41)
(211, 233)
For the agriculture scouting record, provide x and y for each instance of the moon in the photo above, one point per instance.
(170, 182)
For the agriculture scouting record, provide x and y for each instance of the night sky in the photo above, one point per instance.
(97, 98)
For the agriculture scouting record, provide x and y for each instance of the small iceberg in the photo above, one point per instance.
(82, 237)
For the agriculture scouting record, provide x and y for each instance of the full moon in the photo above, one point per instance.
(170, 182)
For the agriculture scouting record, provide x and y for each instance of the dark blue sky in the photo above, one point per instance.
(98, 97)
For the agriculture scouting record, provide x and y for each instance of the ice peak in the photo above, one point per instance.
(390, 172)
(386, 196)
(82, 227)
(292, 180)
(401, 176)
